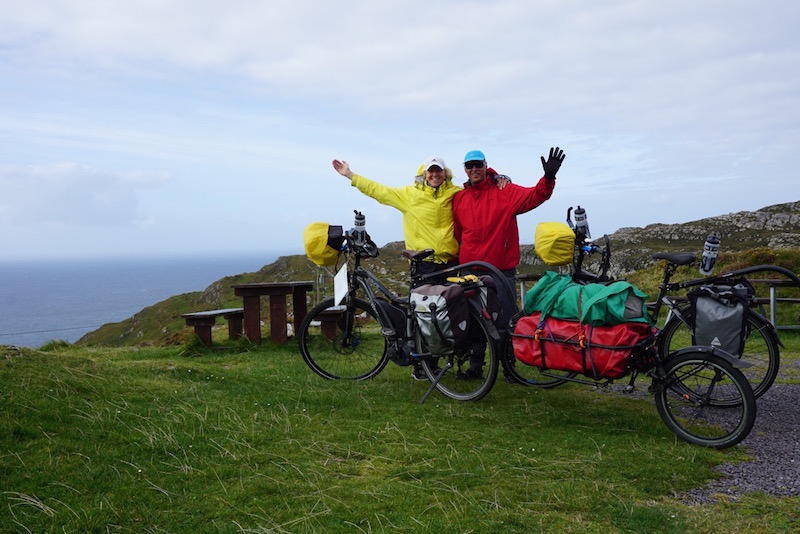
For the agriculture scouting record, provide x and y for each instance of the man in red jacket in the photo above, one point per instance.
(485, 220)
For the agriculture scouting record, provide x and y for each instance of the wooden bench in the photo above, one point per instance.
(331, 321)
(204, 320)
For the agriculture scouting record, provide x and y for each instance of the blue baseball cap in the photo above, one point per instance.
(474, 155)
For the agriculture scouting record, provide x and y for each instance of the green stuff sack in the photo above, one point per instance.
(554, 243)
(558, 296)
(323, 242)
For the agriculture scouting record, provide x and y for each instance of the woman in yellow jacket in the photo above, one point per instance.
(427, 208)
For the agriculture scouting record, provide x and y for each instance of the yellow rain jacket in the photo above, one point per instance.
(427, 212)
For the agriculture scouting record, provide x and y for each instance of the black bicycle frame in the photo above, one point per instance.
(360, 277)
(667, 287)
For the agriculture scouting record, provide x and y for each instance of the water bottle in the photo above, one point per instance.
(710, 250)
(581, 223)
(359, 229)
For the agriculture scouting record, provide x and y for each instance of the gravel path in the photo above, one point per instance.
(774, 443)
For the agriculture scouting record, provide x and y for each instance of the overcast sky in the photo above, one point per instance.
(207, 127)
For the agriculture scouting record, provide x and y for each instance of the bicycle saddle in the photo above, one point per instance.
(681, 258)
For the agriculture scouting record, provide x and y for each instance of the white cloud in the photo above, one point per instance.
(69, 194)
(236, 108)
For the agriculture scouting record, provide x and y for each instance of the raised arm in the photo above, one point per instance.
(527, 198)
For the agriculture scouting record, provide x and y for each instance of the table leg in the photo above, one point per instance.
(252, 318)
(234, 325)
(300, 307)
(277, 318)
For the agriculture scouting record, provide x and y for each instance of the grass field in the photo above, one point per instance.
(155, 440)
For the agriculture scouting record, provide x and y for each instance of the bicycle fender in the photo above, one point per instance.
(773, 331)
(735, 362)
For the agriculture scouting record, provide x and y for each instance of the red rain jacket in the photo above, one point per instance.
(485, 219)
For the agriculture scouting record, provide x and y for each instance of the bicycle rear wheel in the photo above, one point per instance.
(470, 372)
(528, 375)
(704, 400)
(325, 349)
(761, 348)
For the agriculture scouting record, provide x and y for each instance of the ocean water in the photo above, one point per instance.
(46, 300)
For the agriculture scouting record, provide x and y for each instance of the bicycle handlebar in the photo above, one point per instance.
(366, 248)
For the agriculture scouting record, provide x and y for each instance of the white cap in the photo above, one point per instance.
(430, 162)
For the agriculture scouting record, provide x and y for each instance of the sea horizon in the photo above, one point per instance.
(64, 299)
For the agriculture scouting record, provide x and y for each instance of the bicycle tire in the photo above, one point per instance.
(456, 383)
(761, 348)
(528, 375)
(323, 350)
(704, 400)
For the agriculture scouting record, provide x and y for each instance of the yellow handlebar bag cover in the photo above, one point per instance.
(323, 243)
(554, 243)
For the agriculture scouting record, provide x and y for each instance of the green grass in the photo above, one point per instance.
(249, 440)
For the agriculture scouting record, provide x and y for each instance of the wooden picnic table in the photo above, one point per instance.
(276, 291)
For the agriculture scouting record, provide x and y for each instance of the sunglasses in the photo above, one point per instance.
(473, 165)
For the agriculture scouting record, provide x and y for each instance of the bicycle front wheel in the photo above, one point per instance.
(343, 342)
(704, 400)
(761, 348)
(470, 372)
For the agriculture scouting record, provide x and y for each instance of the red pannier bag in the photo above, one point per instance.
(595, 351)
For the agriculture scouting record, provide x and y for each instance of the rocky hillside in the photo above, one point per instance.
(773, 227)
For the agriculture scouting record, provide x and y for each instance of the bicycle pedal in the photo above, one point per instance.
(388, 332)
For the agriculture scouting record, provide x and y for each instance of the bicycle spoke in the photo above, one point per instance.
(470, 372)
(341, 343)
(705, 400)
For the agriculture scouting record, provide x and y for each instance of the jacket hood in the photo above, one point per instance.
(419, 178)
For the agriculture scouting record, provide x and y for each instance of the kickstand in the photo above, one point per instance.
(629, 388)
(436, 380)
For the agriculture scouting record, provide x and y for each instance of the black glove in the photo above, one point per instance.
(553, 163)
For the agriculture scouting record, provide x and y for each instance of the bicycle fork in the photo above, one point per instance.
(348, 340)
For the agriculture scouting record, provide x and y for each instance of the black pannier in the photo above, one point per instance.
(720, 315)
(397, 316)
